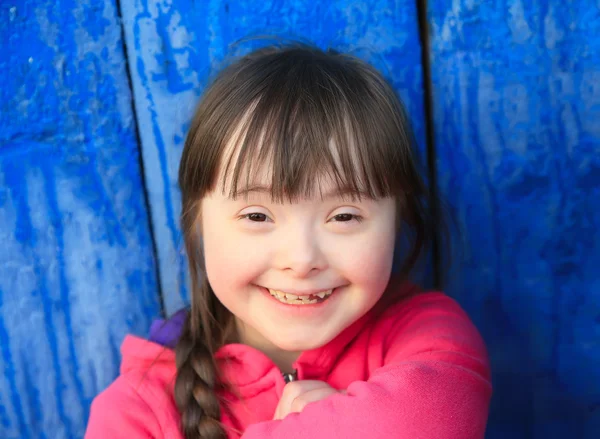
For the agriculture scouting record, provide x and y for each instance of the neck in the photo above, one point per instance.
(282, 359)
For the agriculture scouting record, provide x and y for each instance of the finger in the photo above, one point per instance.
(293, 390)
(299, 403)
(296, 388)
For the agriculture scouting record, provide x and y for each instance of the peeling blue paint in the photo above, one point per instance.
(516, 122)
(76, 263)
(171, 216)
(517, 103)
(15, 397)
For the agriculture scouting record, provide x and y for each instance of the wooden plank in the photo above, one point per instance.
(76, 264)
(173, 47)
(517, 111)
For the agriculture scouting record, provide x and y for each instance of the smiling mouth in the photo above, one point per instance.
(293, 299)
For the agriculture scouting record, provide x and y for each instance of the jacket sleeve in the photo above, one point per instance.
(435, 384)
(120, 413)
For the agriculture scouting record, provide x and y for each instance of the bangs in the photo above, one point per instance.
(313, 124)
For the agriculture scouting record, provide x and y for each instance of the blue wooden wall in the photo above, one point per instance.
(88, 208)
(77, 270)
(517, 121)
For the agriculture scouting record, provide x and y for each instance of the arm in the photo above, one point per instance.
(120, 413)
(434, 385)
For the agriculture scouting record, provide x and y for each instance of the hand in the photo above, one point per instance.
(297, 394)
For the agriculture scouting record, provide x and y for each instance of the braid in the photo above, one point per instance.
(206, 328)
(195, 388)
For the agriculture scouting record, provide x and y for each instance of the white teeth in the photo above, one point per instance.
(299, 300)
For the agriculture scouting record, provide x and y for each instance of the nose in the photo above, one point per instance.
(300, 252)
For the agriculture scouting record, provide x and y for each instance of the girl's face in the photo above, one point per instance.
(256, 249)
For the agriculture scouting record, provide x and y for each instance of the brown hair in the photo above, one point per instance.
(308, 114)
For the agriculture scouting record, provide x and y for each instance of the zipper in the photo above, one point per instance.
(289, 377)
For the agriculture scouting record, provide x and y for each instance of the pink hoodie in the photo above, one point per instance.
(417, 369)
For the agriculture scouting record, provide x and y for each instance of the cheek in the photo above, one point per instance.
(366, 262)
(373, 268)
(230, 263)
(369, 261)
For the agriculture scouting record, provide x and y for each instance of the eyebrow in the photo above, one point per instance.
(345, 191)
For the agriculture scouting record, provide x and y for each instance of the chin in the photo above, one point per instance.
(301, 344)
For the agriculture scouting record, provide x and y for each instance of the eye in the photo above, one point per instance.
(346, 217)
(255, 217)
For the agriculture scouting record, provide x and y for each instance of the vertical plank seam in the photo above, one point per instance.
(138, 140)
(430, 138)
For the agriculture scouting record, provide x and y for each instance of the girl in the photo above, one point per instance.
(296, 176)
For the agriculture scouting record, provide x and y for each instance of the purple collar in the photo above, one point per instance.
(167, 332)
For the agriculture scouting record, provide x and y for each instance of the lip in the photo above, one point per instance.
(300, 308)
(300, 293)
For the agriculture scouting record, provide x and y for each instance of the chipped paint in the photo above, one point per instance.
(76, 264)
(517, 132)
